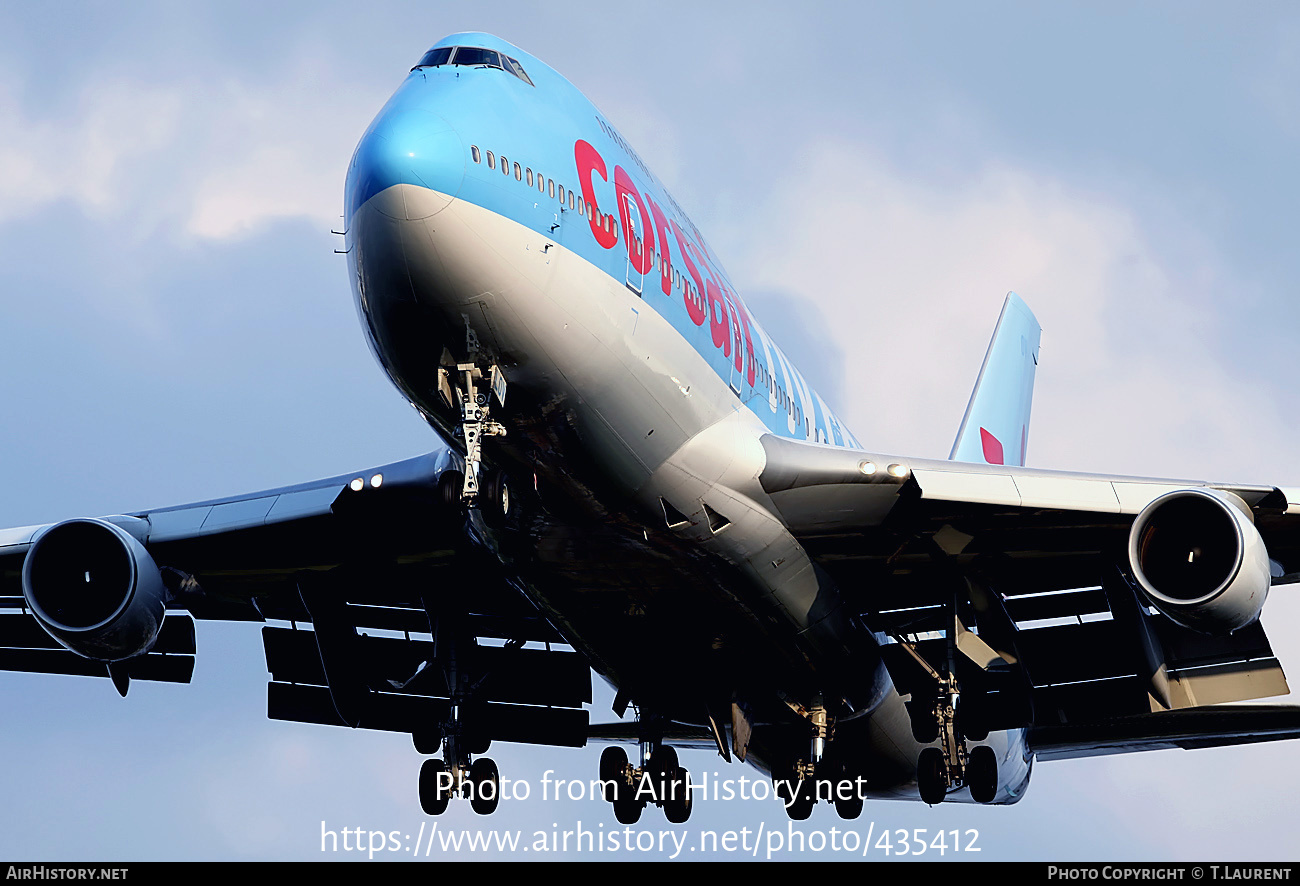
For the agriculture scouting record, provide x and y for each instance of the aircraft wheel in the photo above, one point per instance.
(451, 485)
(805, 797)
(797, 794)
(613, 772)
(486, 782)
(627, 808)
(971, 721)
(494, 498)
(664, 760)
(982, 774)
(664, 766)
(925, 726)
(678, 800)
(848, 799)
(434, 795)
(427, 741)
(475, 742)
(931, 777)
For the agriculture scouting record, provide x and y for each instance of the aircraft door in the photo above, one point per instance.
(635, 245)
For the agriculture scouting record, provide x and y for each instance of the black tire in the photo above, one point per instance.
(434, 797)
(486, 782)
(678, 801)
(494, 500)
(925, 725)
(450, 486)
(613, 773)
(664, 761)
(627, 808)
(931, 776)
(972, 721)
(427, 741)
(848, 799)
(805, 797)
(982, 774)
(663, 766)
(475, 742)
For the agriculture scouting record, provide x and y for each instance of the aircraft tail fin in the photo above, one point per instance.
(995, 429)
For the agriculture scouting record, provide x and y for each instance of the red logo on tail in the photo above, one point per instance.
(992, 448)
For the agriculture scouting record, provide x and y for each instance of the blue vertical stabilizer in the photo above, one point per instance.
(995, 429)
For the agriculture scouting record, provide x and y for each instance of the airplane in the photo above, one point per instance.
(637, 473)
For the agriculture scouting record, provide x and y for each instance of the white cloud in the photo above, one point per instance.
(79, 156)
(910, 274)
(212, 157)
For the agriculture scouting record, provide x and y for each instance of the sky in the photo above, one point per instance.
(174, 326)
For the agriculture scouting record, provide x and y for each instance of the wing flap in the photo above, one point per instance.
(392, 712)
(1191, 728)
(26, 648)
(408, 666)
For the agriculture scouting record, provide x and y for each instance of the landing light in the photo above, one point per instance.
(867, 467)
(357, 485)
(899, 471)
(376, 480)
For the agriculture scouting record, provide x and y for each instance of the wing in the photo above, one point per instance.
(1100, 611)
(374, 591)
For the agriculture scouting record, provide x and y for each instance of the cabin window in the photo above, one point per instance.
(561, 189)
(550, 189)
(529, 173)
(571, 202)
(541, 184)
(473, 152)
(505, 165)
(492, 163)
(519, 172)
(581, 208)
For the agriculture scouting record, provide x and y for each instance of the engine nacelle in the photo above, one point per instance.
(94, 588)
(1200, 560)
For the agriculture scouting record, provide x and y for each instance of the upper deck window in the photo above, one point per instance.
(472, 56)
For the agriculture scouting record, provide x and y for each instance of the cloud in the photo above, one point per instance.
(78, 156)
(210, 157)
(910, 272)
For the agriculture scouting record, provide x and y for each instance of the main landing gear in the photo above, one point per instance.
(479, 782)
(457, 773)
(820, 777)
(993, 689)
(955, 763)
(459, 736)
(658, 781)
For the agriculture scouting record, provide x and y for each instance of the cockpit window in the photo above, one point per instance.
(517, 69)
(468, 55)
(439, 56)
(472, 56)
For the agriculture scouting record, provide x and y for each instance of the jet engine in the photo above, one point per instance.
(1200, 560)
(94, 588)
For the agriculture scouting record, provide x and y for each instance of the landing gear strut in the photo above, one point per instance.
(474, 391)
(457, 773)
(952, 717)
(821, 776)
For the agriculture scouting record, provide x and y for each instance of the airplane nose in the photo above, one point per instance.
(408, 147)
